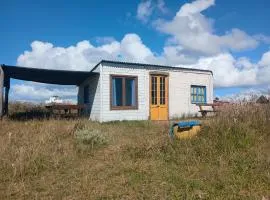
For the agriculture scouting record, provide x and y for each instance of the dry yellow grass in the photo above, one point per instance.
(229, 159)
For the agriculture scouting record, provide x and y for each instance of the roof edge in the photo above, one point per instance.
(44, 69)
(151, 65)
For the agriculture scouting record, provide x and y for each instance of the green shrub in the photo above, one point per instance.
(89, 139)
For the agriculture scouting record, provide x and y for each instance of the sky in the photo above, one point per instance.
(231, 38)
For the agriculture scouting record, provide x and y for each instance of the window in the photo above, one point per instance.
(86, 94)
(198, 94)
(123, 92)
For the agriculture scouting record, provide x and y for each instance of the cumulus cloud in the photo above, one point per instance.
(45, 55)
(39, 92)
(264, 66)
(228, 70)
(194, 31)
(83, 56)
(146, 8)
(263, 38)
(265, 60)
(251, 94)
(192, 42)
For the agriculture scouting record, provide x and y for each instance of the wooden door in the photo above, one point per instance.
(158, 97)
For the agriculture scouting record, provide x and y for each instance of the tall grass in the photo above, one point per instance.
(229, 159)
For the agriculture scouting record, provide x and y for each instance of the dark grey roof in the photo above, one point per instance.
(64, 77)
(61, 77)
(150, 65)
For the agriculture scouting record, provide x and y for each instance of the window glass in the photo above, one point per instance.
(198, 94)
(154, 90)
(162, 91)
(117, 92)
(124, 92)
(130, 92)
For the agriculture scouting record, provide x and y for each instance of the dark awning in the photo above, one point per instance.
(60, 77)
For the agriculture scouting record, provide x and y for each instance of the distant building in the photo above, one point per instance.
(54, 100)
(262, 99)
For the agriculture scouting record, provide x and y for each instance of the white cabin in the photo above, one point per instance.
(54, 100)
(134, 91)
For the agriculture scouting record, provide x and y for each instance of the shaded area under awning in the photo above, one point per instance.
(60, 77)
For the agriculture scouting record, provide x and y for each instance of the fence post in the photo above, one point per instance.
(1, 91)
(6, 96)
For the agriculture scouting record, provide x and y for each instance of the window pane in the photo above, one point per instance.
(162, 91)
(117, 96)
(154, 90)
(130, 92)
(198, 94)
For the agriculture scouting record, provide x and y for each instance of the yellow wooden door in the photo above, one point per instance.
(159, 97)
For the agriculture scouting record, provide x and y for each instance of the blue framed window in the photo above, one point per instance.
(198, 94)
(124, 92)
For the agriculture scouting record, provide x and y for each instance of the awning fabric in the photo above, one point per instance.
(60, 77)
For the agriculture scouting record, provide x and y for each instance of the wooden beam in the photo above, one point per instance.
(1, 91)
(6, 97)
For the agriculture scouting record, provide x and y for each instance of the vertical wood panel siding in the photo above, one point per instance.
(135, 114)
(93, 107)
(179, 92)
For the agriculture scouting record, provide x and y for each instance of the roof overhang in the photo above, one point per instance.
(60, 77)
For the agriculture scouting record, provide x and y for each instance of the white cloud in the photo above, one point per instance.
(39, 92)
(162, 7)
(265, 60)
(144, 10)
(104, 40)
(244, 63)
(262, 38)
(264, 66)
(195, 7)
(147, 7)
(83, 56)
(133, 48)
(192, 43)
(251, 94)
(45, 55)
(195, 33)
(228, 71)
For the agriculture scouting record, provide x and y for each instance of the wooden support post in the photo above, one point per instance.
(1, 91)
(6, 96)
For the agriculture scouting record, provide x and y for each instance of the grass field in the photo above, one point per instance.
(79, 159)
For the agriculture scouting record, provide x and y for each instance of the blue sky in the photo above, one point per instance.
(99, 22)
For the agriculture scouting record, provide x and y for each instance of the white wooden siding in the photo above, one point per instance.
(110, 115)
(180, 82)
(180, 89)
(93, 107)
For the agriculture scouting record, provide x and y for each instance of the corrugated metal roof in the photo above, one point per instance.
(150, 65)
(64, 77)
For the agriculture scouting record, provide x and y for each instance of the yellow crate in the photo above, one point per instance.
(186, 133)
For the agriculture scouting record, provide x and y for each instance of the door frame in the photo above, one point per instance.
(166, 75)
